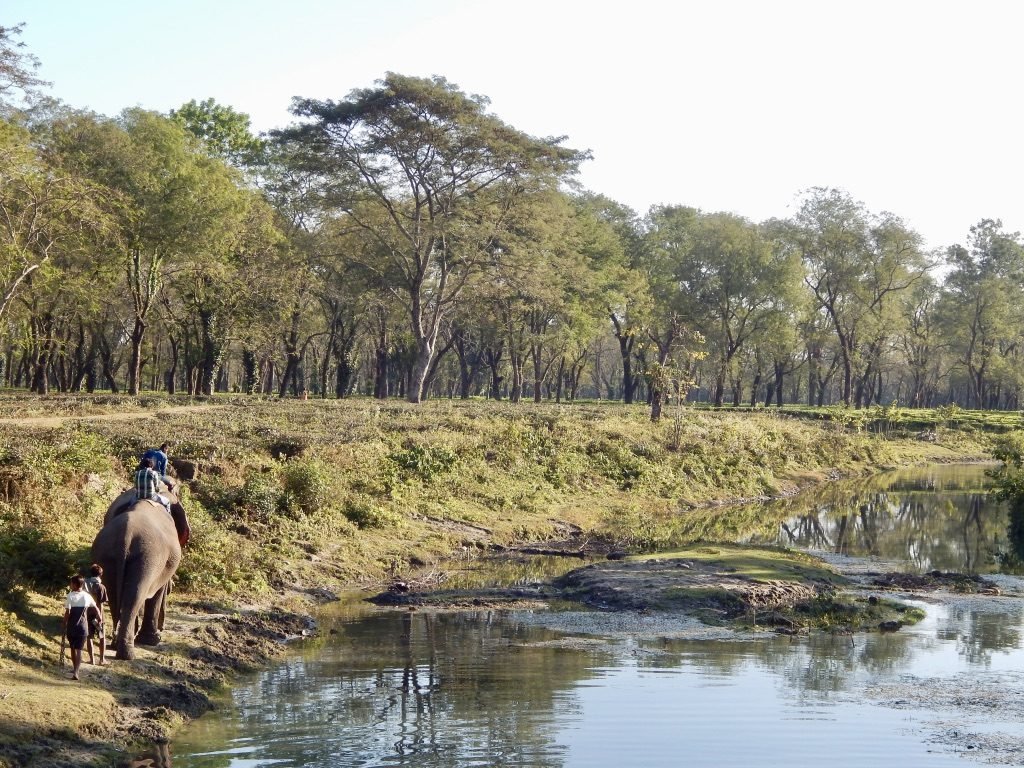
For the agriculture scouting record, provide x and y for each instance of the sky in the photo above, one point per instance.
(911, 107)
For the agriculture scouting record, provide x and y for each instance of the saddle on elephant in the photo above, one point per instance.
(129, 499)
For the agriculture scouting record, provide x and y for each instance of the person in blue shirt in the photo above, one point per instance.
(159, 457)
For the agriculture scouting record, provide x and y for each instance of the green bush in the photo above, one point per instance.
(218, 560)
(364, 513)
(617, 463)
(219, 498)
(565, 469)
(260, 497)
(31, 471)
(307, 486)
(425, 462)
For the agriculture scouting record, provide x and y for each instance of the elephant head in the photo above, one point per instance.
(139, 550)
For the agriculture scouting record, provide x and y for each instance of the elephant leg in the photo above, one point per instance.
(131, 604)
(113, 603)
(152, 619)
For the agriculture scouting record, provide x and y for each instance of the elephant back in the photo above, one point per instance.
(140, 527)
(126, 500)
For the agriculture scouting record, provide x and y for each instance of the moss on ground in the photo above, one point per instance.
(759, 564)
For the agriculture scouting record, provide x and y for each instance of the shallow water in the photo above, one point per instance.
(418, 688)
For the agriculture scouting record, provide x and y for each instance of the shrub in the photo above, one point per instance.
(425, 462)
(1009, 478)
(218, 560)
(307, 486)
(218, 497)
(565, 469)
(260, 497)
(617, 463)
(363, 512)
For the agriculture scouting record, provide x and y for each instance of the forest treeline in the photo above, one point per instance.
(404, 241)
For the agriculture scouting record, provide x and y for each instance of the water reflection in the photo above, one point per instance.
(412, 689)
(978, 634)
(942, 518)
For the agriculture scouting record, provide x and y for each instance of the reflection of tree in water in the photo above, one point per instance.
(978, 633)
(419, 689)
(959, 529)
(1012, 559)
(820, 664)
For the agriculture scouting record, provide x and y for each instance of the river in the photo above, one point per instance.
(564, 687)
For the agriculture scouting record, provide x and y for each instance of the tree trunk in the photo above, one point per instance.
(420, 366)
(135, 364)
(538, 371)
(466, 368)
(720, 388)
(249, 372)
(626, 341)
(210, 351)
(381, 356)
(493, 358)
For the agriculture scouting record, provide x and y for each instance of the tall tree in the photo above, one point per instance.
(43, 211)
(856, 266)
(224, 131)
(177, 201)
(619, 238)
(444, 172)
(732, 281)
(981, 304)
(18, 79)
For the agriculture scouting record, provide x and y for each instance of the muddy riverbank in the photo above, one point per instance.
(49, 720)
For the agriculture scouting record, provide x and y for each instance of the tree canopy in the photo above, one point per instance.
(406, 241)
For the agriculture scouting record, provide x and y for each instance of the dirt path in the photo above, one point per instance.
(57, 421)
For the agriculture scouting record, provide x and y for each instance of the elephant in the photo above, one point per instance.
(139, 548)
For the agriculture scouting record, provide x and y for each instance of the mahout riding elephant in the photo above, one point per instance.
(139, 548)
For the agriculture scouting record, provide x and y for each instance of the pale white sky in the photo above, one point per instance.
(912, 107)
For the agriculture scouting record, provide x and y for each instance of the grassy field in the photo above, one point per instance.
(295, 497)
(329, 492)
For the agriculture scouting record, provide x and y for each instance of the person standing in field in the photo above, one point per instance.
(79, 607)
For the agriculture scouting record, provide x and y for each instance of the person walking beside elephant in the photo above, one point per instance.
(94, 585)
(79, 607)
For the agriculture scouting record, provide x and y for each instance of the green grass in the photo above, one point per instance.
(332, 493)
